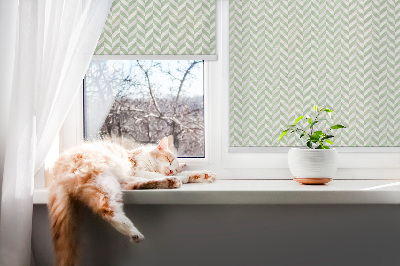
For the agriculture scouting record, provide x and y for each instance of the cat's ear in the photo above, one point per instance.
(163, 145)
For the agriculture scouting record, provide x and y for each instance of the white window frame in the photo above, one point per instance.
(71, 133)
(247, 163)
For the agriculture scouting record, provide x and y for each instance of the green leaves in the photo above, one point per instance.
(337, 126)
(309, 144)
(283, 134)
(298, 119)
(316, 135)
(313, 123)
(322, 147)
(329, 111)
(317, 138)
(317, 108)
(328, 137)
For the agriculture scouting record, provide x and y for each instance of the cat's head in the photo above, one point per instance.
(164, 161)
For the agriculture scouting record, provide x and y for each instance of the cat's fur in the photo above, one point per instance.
(94, 174)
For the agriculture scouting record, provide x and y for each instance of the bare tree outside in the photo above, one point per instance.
(144, 100)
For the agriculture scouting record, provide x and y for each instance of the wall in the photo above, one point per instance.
(237, 235)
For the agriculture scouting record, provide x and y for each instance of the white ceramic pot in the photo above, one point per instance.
(311, 166)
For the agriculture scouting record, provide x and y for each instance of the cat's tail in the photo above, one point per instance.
(62, 212)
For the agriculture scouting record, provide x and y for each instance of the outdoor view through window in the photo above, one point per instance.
(141, 101)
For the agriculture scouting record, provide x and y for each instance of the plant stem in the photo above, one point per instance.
(296, 128)
(315, 119)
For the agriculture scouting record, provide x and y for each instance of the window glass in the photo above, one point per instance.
(141, 101)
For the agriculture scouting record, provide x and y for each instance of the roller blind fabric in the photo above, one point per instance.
(160, 27)
(286, 56)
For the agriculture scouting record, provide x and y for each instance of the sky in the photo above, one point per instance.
(196, 88)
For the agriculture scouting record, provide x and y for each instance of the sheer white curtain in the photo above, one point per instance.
(54, 44)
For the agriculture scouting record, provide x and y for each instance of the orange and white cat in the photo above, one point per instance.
(94, 174)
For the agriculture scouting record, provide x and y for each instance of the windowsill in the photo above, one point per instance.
(264, 192)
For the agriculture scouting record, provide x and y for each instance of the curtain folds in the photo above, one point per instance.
(55, 43)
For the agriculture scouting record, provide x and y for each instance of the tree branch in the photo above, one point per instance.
(162, 117)
(146, 73)
(182, 82)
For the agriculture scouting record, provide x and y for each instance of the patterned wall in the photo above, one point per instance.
(286, 56)
(159, 27)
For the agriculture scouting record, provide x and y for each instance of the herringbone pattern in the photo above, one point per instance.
(286, 56)
(159, 27)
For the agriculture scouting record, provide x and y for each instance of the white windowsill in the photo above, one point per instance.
(264, 192)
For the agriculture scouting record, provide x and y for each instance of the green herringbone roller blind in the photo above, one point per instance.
(287, 55)
(159, 27)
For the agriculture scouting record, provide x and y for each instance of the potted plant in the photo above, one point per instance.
(315, 163)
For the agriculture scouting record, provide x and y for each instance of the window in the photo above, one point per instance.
(141, 101)
(219, 156)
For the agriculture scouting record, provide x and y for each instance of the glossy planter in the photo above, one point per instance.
(312, 167)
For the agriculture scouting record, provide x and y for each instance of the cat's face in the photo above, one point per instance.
(165, 162)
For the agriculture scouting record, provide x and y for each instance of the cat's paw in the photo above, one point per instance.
(201, 176)
(174, 182)
(182, 167)
(137, 237)
(210, 177)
